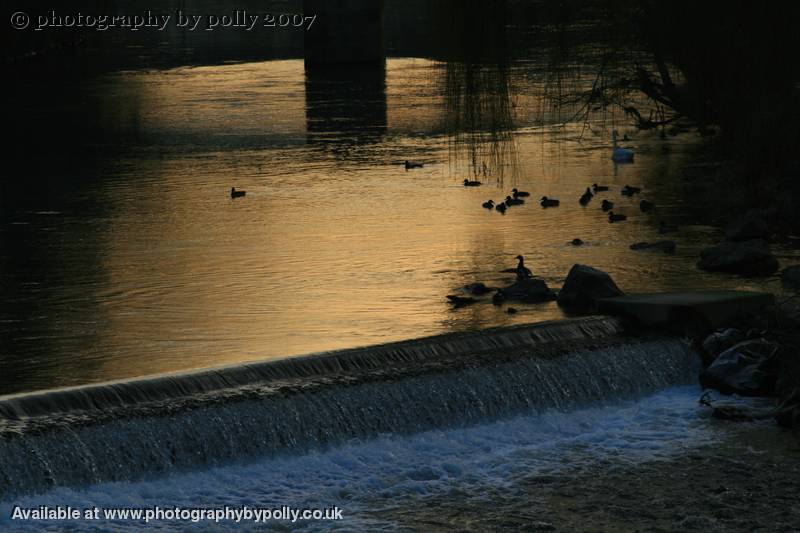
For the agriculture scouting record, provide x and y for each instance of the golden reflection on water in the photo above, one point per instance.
(334, 247)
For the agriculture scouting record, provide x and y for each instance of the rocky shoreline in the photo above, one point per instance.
(747, 482)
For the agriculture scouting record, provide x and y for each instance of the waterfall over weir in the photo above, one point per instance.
(133, 429)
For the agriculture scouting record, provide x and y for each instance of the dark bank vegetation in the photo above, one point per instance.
(729, 69)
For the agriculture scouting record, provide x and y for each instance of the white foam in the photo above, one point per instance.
(404, 470)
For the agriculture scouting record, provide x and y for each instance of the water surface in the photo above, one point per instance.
(135, 260)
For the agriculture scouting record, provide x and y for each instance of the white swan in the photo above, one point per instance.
(620, 155)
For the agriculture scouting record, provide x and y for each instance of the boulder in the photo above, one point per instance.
(787, 314)
(721, 340)
(668, 247)
(528, 290)
(478, 288)
(791, 277)
(748, 258)
(584, 286)
(744, 369)
(752, 225)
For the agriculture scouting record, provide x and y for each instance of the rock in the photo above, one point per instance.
(584, 286)
(528, 290)
(791, 277)
(744, 369)
(721, 340)
(668, 247)
(737, 412)
(748, 258)
(478, 288)
(788, 414)
(750, 226)
(787, 314)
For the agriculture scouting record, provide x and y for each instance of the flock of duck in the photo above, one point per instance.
(516, 198)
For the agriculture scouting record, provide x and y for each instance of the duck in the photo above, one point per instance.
(613, 217)
(519, 194)
(606, 205)
(630, 191)
(646, 206)
(460, 301)
(511, 311)
(413, 164)
(237, 194)
(500, 207)
(599, 188)
(586, 197)
(489, 204)
(514, 201)
(663, 228)
(521, 270)
(549, 202)
(576, 242)
(472, 183)
(620, 155)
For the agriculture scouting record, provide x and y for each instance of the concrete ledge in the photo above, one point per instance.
(694, 313)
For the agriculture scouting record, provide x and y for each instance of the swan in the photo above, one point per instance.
(237, 194)
(620, 155)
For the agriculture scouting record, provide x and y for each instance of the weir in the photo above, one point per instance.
(139, 428)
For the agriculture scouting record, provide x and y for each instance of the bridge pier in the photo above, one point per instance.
(344, 32)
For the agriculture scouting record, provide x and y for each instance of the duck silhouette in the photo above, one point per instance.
(500, 207)
(489, 204)
(519, 194)
(599, 188)
(514, 201)
(630, 191)
(664, 227)
(460, 301)
(646, 206)
(237, 194)
(586, 197)
(413, 164)
(522, 271)
(471, 183)
(549, 202)
(606, 205)
(613, 217)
